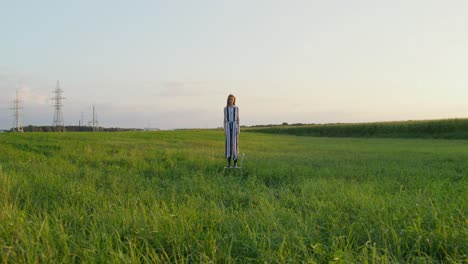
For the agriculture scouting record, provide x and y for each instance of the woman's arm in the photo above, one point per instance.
(238, 121)
(224, 122)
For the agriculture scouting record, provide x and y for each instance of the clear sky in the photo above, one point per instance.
(171, 64)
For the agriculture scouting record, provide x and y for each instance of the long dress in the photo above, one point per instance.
(231, 130)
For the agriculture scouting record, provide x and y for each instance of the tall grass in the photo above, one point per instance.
(443, 129)
(162, 197)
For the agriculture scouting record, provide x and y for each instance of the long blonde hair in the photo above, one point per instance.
(233, 101)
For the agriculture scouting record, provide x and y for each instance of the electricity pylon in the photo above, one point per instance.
(58, 116)
(95, 121)
(17, 126)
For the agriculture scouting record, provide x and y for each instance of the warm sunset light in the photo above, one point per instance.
(167, 64)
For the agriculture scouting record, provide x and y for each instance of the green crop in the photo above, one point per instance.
(442, 129)
(161, 197)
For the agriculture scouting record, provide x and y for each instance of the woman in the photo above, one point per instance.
(231, 130)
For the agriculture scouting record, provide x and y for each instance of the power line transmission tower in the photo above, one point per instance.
(58, 116)
(17, 126)
(95, 121)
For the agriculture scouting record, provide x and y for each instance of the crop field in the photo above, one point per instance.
(437, 129)
(162, 197)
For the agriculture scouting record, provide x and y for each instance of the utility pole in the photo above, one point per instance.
(17, 126)
(58, 116)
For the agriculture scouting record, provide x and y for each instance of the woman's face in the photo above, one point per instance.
(230, 100)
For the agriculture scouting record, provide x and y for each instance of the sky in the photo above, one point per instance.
(172, 64)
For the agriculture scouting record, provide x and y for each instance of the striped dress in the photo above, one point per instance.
(231, 130)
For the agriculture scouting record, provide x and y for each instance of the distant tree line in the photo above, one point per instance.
(31, 128)
(275, 125)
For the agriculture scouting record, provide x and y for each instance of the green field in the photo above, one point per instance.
(439, 129)
(162, 197)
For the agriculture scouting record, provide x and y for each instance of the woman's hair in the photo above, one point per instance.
(233, 101)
